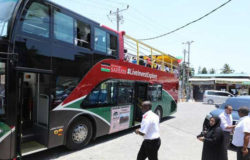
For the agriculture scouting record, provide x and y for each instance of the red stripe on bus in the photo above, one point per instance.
(95, 76)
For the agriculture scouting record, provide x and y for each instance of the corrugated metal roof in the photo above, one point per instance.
(223, 75)
(243, 81)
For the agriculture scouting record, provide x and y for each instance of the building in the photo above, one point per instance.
(237, 84)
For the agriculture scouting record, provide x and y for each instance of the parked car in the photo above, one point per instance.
(216, 97)
(235, 102)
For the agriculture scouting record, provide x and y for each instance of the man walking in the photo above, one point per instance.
(227, 125)
(241, 137)
(150, 130)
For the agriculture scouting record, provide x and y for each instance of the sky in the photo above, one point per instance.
(223, 37)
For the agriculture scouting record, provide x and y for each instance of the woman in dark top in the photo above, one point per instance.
(213, 146)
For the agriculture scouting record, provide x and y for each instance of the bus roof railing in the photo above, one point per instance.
(156, 56)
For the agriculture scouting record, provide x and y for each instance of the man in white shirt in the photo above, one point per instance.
(227, 124)
(241, 137)
(150, 130)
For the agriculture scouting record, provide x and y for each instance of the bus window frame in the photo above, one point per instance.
(117, 46)
(98, 51)
(75, 33)
(83, 106)
(117, 85)
(75, 18)
(53, 9)
(156, 85)
(10, 26)
(110, 33)
(5, 109)
(133, 92)
(22, 16)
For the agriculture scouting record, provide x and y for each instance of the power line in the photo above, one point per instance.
(177, 29)
(149, 20)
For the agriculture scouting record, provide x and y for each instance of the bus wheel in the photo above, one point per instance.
(158, 111)
(79, 133)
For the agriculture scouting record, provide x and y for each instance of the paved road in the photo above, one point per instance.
(178, 135)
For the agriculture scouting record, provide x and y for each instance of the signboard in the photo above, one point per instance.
(118, 69)
(112, 68)
(120, 118)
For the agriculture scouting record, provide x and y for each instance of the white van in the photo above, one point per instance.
(216, 97)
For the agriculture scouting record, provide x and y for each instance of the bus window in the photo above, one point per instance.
(82, 34)
(125, 93)
(63, 27)
(104, 94)
(64, 86)
(112, 45)
(155, 92)
(100, 40)
(6, 9)
(2, 88)
(36, 20)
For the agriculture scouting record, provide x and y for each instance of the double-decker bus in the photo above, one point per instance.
(64, 81)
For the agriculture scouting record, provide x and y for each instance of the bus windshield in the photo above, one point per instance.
(2, 88)
(6, 10)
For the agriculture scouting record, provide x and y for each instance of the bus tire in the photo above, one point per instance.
(79, 134)
(158, 111)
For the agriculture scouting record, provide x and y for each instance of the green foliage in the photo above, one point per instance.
(192, 71)
(204, 70)
(227, 69)
(212, 71)
(199, 70)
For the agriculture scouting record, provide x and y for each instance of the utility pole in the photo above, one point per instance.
(188, 68)
(183, 88)
(118, 16)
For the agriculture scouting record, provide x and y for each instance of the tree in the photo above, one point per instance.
(192, 71)
(212, 71)
(199, 70)
(204, 70)
(227, 69)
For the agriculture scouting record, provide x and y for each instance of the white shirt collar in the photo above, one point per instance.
(243, 118)
(147, 112)
(225, 113)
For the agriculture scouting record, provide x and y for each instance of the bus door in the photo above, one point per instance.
(121, 117)
(33, 100)
(140, 96)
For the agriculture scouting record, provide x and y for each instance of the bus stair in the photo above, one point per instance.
(137, 123)
(31, 147)
(28, 135)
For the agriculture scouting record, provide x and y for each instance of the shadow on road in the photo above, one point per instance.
(167, 118)
(62, 150)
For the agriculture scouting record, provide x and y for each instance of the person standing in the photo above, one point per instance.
(242, 135)
(150, 130)
(227, 125)
(213, 146)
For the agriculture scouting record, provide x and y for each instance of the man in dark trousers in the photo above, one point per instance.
(241, 137)
(150, 130)
(227, 125)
